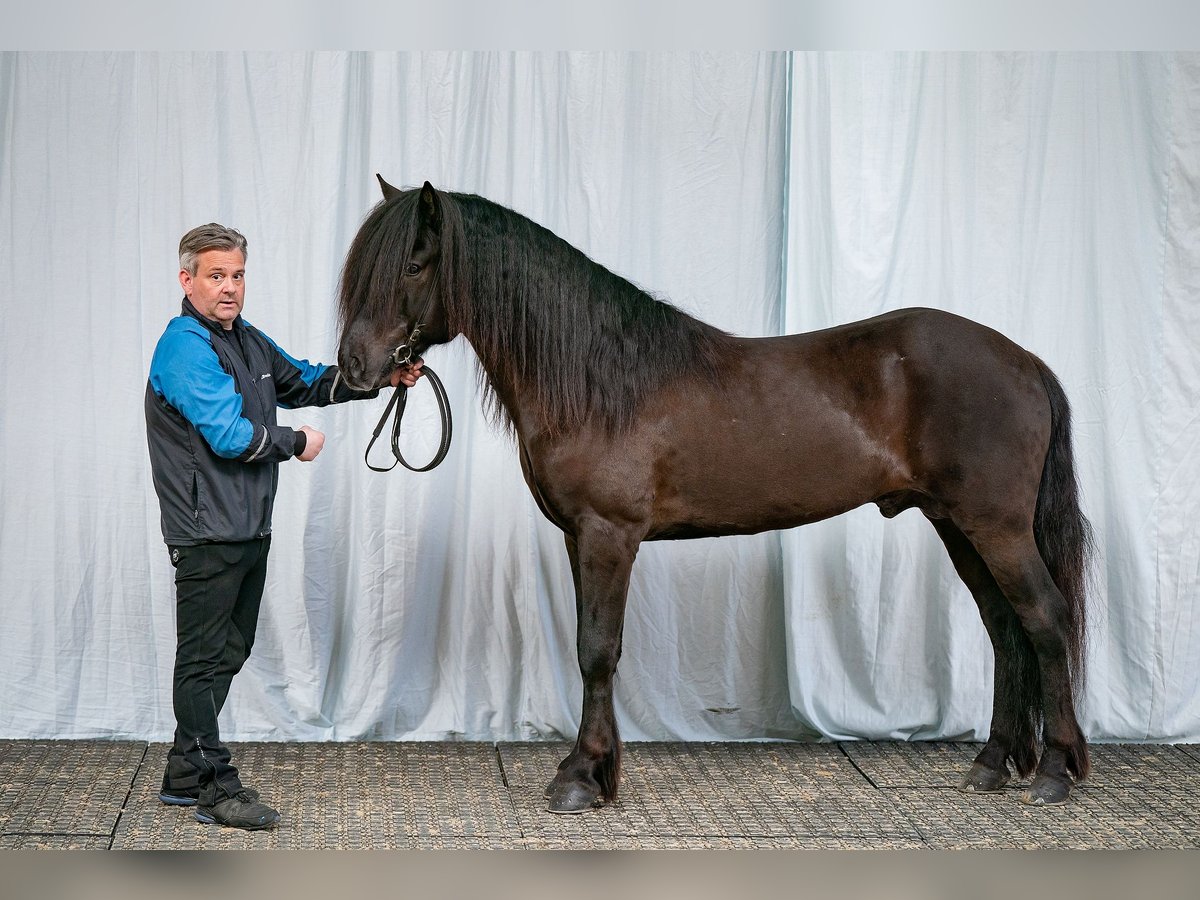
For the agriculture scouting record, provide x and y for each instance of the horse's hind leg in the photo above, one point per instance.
(602, 557)
(1014, 561)
(1016, 692)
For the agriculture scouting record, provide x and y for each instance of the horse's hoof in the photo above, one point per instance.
(983, 779)
(572, 798)
(1047, 790)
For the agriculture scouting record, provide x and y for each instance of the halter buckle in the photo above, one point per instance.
(406, 348)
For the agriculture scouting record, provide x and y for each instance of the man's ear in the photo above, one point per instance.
(185, 281)
(388, 191)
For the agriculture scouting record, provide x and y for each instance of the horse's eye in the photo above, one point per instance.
(413, 269)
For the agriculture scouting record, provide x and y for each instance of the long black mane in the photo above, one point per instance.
(584, 344)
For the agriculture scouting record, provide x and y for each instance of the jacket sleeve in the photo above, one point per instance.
(299, 382)
(186, 373)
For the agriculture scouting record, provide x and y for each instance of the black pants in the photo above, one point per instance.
(218, 590)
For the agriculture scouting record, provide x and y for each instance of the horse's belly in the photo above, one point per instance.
(719, 526)
(764, 484)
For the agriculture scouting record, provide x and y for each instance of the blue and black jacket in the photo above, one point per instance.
(211, 426)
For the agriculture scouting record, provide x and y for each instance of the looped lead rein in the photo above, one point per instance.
(398, 401)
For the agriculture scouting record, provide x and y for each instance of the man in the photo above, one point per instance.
(215, 447)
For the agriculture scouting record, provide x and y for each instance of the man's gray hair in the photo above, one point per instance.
(208, 237)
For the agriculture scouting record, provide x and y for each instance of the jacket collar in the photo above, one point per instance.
(189, 310)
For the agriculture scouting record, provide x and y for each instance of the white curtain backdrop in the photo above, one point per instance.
(1054, 197)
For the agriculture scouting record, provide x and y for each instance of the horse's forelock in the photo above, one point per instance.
(376, 258)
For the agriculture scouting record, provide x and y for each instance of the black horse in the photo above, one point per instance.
(636, 422)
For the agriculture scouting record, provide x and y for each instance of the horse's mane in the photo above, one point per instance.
(583, 344)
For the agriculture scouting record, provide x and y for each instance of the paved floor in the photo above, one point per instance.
(103, 795)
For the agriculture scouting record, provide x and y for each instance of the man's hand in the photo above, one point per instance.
(314, 441)
(407, 374)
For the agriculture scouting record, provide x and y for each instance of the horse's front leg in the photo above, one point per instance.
(601, 558)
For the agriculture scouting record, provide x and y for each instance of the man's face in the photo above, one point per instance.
(218, 288)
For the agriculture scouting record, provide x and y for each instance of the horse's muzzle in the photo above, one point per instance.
(360, 377)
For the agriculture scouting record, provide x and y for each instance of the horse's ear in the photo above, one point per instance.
(388, 191)
(430, 207)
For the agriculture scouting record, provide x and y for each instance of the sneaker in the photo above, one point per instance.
(241, 811)
(191, 796)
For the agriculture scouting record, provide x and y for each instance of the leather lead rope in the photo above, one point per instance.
(398, 402)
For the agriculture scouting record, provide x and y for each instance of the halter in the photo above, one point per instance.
(402, 355)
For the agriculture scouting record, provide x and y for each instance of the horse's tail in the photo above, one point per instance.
(1064, 538)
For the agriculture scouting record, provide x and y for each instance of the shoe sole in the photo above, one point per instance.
(172, 800)
(205, 819)
(176, 800)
